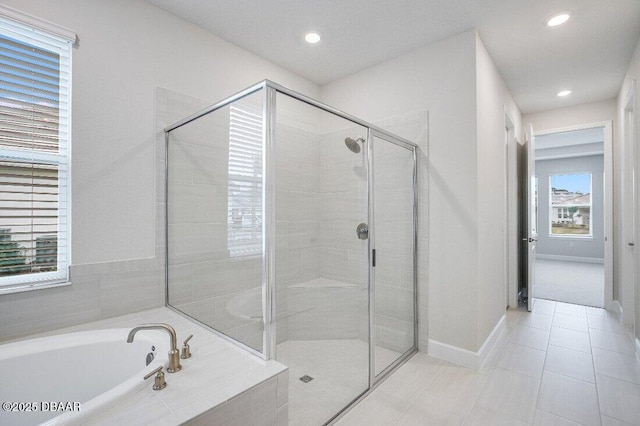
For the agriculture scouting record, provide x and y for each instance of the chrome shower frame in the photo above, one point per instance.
(268, 188)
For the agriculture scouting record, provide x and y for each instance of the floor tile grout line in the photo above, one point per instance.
(543, 371)
(495, 367)
(595, 378)
(611, 350)
(617, 378)
(571, 377)
(412, 401)
(503, 343)
(546, 353)
(561, 417)
(475, 400)
(608, 331)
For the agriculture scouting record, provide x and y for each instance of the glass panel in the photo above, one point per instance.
(215, 219)
(570, 204)
(322, 323)
(394, 313)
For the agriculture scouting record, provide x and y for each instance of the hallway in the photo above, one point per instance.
(561, 364)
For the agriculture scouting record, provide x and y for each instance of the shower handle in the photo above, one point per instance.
(362, 231)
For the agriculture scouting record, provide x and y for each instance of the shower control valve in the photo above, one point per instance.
(362, 231)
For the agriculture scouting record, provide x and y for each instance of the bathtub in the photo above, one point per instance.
(67, 378)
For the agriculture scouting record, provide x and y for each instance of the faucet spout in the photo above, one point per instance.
(174, 357)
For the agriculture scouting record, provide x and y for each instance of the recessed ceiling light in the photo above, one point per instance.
(564, 93)
(312, 38)
(558, 19)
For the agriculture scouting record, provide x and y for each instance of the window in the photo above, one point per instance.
(570, 205)
(244, 220)
(34, 156)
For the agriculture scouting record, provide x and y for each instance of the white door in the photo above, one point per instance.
(532, 215)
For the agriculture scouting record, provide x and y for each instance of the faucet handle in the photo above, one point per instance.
(186, 351)
(159, 382)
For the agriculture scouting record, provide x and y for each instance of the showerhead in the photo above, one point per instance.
(353, 144)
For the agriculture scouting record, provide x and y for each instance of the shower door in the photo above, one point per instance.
(321, 251)
(393, 290)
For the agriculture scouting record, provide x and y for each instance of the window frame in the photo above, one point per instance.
(46, 36)
(551, 216)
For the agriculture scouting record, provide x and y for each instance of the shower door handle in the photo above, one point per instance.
(362, 231)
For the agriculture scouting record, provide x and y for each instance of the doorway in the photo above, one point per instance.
(573, 257)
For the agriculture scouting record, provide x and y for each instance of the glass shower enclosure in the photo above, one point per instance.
(291, 231)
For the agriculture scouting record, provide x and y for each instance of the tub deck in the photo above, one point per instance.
(220, 384)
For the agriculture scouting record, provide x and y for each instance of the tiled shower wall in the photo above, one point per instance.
(313, 264)
(205, 279)
(321, 265)
(321, 197)
(340, 311)
(344, 207)
(298, 228)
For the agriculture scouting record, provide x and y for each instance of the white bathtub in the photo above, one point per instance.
(96, 368)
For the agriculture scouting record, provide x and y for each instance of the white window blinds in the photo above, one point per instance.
(35, 137)
(245, 181)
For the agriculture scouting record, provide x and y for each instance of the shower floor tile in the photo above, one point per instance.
(340, 373)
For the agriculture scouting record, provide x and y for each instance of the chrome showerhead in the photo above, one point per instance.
(353, 144)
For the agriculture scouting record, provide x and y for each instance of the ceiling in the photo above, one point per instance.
(589, 54)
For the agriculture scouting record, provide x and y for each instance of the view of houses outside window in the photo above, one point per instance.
(570, 212)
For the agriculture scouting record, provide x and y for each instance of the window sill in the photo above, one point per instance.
(571, 237)
(20, 288)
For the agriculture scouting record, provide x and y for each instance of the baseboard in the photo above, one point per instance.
(465, 357)
(570, 258)
(616, 308)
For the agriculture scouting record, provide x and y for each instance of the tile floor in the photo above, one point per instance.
(561, 364)
(340, 371)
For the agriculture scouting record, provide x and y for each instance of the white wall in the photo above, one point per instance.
(457, 82)
(625, 277)
(441, 79)
(127, 49)
(493, 102)
(571, 116)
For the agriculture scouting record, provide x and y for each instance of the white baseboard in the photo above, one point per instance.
(616, 308)
(570, 258)
(465, 357)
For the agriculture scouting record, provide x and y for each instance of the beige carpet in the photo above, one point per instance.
(570, 282)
